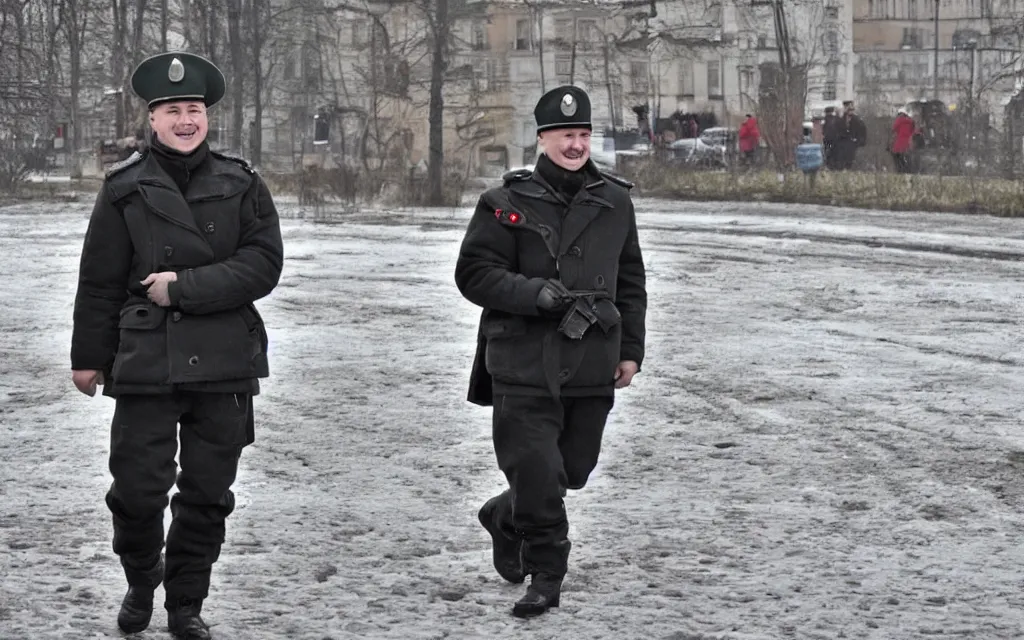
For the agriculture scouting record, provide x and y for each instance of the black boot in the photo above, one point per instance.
(184, 622)
(137, 605)
(543, 593)
(507, 559)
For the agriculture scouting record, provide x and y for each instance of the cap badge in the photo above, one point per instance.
(176, 73)
(568, 105)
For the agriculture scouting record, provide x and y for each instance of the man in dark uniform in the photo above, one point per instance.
(853, 134)
(553, 258)
(829, 138)
(181, 242)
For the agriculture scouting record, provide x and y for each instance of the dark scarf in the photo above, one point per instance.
(567, 183)
(178, 165)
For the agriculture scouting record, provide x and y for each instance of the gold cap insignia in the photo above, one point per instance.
(176, 73)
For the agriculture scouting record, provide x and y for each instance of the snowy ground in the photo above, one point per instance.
(825, 441)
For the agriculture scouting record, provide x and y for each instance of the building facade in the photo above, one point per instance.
(955, 51)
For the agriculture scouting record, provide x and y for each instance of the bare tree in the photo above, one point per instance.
(806, 42)
(237, 83)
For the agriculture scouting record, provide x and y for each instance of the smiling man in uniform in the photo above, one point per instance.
(180, 243)
(554, 259)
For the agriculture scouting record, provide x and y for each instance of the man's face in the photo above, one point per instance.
(181, 126)
(568, 148)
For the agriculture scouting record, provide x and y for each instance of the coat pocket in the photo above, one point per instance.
(216, 346)
(504, 327)
(514, 352)
(142, 347)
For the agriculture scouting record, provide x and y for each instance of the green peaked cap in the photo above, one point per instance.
(178, 75)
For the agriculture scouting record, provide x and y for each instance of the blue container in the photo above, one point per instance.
(809, 156)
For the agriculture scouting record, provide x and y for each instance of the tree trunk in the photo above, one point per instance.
(54, 17)
(118, 10)
(211, 30)
(77, 20)
(438, 66)
(608, 85)
(237, 83)
(540, 49)
(133, 113)
(256, 31)
(164, 23)
(572, 57)
(186, 22)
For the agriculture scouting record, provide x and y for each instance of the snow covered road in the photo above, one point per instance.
(825, 441)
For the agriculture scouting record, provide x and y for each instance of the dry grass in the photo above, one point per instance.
(890, 191)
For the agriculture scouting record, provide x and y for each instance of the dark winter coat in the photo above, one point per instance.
(222, 238)
(525, 232)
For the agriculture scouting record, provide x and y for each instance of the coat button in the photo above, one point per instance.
(210, 227)
(176, 316)
(193, 361)
(563, 374)
(168, 251)
(575, 251)
(599, 281)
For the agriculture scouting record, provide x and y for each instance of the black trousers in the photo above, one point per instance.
(545, 446)
(144, 439)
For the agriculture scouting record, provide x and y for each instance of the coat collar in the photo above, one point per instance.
(581, 211)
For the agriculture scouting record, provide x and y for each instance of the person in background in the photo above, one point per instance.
(853, 134)
(750, 140)
(829, 138)
(901, 140)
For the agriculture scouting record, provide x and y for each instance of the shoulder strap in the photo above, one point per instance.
(118, 167)
(622, 182)
(237, 160)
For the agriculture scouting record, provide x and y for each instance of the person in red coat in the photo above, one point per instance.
(902, 140)
(750, 139)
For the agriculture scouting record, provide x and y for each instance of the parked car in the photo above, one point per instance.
(726, 137)
(694, 152)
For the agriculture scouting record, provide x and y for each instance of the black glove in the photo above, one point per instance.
(554, 298)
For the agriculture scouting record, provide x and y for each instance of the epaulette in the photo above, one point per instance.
(117, 167)
(516, 175)
(239, 161)
(622, 182)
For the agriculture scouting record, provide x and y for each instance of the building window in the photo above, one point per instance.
(912, 38)
(831, 43)
(359, 33)
(586, 34)
(563, 32)
(487, 75)
(638, 77)
(479, 36)
(748, 91)
(832, 13)
(831, 77)
(311, 71)
(563, 67)
(524, 33)
(714, 79)
(686, 78)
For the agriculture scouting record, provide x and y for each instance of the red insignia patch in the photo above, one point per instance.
(513, 218)
(497, 213)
